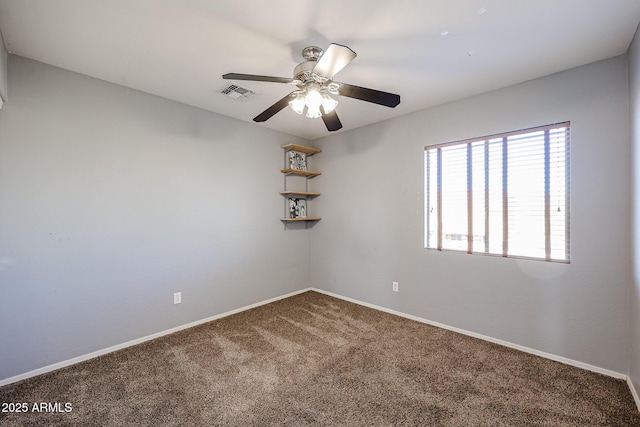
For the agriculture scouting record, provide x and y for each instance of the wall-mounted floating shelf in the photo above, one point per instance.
(300, 193)
(295, 165)
(302, 149)
(300, 172)
(309, 218)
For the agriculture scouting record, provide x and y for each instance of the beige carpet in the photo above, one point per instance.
(316, 360)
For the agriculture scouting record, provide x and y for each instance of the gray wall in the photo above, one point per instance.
(634, 98)
(111, 200)
(372, 229)
(3, 70)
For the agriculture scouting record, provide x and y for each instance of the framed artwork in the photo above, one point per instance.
(297, 160)
(297, 207)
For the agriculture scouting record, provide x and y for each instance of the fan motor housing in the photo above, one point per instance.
(304, 70)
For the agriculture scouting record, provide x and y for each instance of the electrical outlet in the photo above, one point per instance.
(177, 297)
(395, 286)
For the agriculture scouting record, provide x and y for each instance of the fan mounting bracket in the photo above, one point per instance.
(312, 53)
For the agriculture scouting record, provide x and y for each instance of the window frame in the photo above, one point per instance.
(429, 164)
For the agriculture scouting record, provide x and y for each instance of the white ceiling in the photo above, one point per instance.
(180, 49)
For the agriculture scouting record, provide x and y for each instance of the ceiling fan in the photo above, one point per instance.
(315, 85)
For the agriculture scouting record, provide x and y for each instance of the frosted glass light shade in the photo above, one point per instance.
(313, 98)
(297, 104)
(328, 103)
(313, 112)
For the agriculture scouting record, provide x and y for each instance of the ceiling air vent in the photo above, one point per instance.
(238, 92)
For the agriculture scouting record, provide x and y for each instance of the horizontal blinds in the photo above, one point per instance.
(454, 197)
(506, 194)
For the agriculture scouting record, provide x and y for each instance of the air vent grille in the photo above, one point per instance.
(238, 93)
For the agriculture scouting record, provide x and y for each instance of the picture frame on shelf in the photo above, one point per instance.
(297, 207)
(297, 160)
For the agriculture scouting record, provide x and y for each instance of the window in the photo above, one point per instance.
(505, 195)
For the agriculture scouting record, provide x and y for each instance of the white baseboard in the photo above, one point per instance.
(634, 392)
(550, 356)
(111, 349)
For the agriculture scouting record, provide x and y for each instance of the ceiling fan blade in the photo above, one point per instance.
(370, 95)
(334, 59)
(256, 78)
(271, 111)
(331, 120)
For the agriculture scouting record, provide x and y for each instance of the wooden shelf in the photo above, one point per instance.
(309, 151)
(300, 193)
(300, 172)
(298, 206)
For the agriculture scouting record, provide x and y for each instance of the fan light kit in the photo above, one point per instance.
(315, 86)
(312, 97)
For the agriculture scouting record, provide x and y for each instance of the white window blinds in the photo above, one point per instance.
(504, 194)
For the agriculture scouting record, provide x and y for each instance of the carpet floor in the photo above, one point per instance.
(314, 360)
